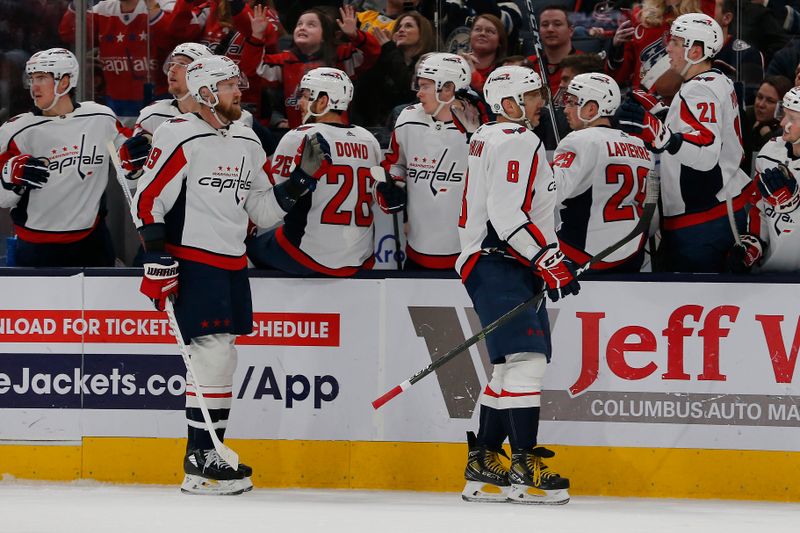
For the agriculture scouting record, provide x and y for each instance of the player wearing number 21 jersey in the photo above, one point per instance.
(600, 175)
(330, 230)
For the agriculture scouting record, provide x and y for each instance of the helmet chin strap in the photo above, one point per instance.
(212, 107)
(441, 105)
(523, 119)
(56, 95)
(689, 62)
(786, 130)
(310, 113)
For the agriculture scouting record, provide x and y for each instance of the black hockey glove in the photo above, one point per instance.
(133, 155)
(390, 197)
(779, 189)
(311, 163)
(24, 172)
(742, 257)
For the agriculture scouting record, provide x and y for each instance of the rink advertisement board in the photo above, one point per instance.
(635, 364)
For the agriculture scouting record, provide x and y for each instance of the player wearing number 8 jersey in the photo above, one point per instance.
(330, 230)
(701, 148)
(600, 176)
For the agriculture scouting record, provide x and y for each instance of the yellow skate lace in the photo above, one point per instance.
(493, 463)
(539, 470)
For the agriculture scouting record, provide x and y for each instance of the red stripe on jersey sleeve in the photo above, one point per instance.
(12, 151)
(148, 197)
(526, 204)
(701, 136)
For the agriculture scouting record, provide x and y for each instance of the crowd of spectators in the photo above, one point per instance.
(379, 42)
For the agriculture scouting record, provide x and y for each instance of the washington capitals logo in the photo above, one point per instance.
(431, 170)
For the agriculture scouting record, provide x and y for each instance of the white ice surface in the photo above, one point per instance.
(34, 507)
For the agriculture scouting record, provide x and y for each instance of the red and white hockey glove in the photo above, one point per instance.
(742, 257)
(160, 280)
(652, 103)
(390, 196)
(133, 155)
(556, 272)
(636, 120)
(25, 172)
(779, 189)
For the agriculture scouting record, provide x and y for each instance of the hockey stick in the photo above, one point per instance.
(650, 203)
(379, 174)
(537, 46)
(227, 454)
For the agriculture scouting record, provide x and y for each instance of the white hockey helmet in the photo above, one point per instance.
(791, 101)
(334, 83)
(59, 62)
(694, 27)
(191, 50)
(208, 72)
(442, 68)
(510, 82)
(595, 87)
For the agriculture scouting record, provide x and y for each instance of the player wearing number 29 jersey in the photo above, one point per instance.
(330, 230)
(600, 175)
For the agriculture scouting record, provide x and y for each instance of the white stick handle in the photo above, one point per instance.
(230, 456)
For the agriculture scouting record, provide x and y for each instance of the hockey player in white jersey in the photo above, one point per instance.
(203, 179)
(772, 241)
(600, 175)
(428, 154)
(509, 252)
(133, 153)
(55, 169)
(330, 231)
(701, 148)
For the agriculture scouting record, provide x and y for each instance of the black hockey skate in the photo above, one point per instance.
(532, 482)
(208, 473)
(487, 477)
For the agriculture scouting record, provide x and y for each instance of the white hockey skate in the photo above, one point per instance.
(532, 482)
(487, 478)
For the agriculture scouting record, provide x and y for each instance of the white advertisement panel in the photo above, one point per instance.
(691, 365)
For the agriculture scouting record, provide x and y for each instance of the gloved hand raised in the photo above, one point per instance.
(25, 172)
(133, 155)
(556, 271)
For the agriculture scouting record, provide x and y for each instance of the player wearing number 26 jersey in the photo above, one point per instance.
(600, 175)
(330, 230)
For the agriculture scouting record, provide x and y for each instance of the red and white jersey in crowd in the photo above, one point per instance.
(694, 181)
(330, 230)
(202, 184)
(510, 188)
(431, 157)
(67, 208)
(780, 231)
(160, 111)
(601, 175)
(126, 41)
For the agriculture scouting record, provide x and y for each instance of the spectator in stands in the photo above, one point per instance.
(129, 34)
(289, 11)
(736, 53)
(457, 15)
(556, 33)
(489, 45)
(639, 43)
(785, 61)
(388, 83)
(313, 45)
(386, 20)
(223, 25)
(760, 122)
(762, 28)
(571, 66)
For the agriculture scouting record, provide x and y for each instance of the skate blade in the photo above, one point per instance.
(248, 484)
(198, 485)
(532, 496)
(477, 491)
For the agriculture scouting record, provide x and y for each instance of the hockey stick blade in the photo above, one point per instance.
(651, 202)
(230, 456)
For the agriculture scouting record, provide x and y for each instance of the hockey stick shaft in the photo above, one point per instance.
(230, 456)
(537, 45)
(651, 202)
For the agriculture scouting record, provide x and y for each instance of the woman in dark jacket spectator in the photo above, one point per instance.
(760, 124)
(388, 83)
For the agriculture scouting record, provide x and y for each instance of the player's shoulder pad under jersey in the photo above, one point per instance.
(711, 84)
(413, 114)
(774, 152)
(160, 107)
(90, 108)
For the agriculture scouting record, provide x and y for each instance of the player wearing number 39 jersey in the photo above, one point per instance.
(330, 230)
(600, 176)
